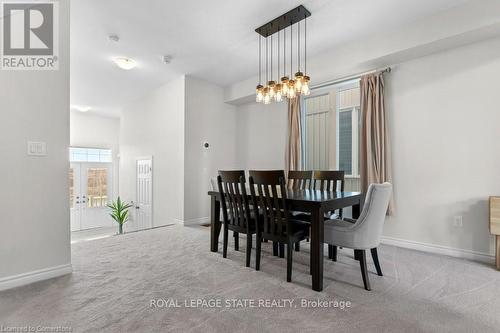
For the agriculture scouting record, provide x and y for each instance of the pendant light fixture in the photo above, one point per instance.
(292, 85)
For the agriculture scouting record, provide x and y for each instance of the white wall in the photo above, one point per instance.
(207, 119)
(34, 199)
(444, 122)
(261, 136)
(93, 131)
(154, 126)
(89, 130)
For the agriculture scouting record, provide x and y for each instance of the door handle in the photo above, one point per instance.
(137, 207)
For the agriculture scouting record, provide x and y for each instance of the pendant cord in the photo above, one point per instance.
(291, 51)
(278, 57)
(267, 59)
(284, 52)
(271, 57)
(305, 45)
(298, 47)
(260, 56)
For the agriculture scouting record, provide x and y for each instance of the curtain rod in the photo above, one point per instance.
(349, 78)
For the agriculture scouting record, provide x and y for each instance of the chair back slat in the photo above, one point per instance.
(271, 191)
(240, 201)
(234, 200)
(277, 210)
(299, 180)
(261, 203)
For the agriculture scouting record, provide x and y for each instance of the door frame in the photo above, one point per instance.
(138, 158)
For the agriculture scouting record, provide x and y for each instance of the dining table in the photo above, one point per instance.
(312, 201)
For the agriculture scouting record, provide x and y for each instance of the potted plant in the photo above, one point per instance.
(119, 212)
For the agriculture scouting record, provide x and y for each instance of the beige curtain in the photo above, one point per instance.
(293, 154)
(375, 152)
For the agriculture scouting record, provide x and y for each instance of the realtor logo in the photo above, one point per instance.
(29, 36)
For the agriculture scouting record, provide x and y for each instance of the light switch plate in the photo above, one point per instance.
(37, 148)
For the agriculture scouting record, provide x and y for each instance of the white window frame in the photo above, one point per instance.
(355, 140)
(90, 148)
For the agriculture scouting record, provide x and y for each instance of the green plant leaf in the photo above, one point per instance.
(119, 211)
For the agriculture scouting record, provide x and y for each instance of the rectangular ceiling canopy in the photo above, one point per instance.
(283, 21)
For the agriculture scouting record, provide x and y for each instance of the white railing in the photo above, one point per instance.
(352, 184)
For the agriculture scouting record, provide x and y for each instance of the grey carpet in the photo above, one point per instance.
(115, 278)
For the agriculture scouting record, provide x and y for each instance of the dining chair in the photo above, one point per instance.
(365, 232)
(268, 195)
(300, 180)
(324, 180)
(236, 212)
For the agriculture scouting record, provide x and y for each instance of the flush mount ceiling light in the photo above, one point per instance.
(289, 85)
(82, 108)
(125, 63)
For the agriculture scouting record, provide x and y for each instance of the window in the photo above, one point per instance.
(90, 155)
(344, 141)
(331, 130)
(348, 140)
(97, 187)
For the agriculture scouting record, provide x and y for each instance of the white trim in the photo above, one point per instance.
(179, 221)
(34, 276)
(439, 249)
(198, 221)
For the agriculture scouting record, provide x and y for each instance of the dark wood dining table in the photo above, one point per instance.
(313, 201)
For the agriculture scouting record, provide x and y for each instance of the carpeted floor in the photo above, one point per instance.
(116, 279)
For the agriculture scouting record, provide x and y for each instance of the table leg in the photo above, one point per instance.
(356, 209)
(215, 224)
(316, 252)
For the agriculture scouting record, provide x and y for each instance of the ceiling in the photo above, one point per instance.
(212, 40)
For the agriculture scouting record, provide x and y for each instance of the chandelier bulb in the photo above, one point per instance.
(279, 92)
(259, 93)
(272, 88)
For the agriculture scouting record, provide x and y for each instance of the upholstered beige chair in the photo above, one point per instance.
(365, 232)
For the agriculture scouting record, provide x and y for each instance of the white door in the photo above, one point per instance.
(74, 196)
(90, 192)
(144, 197)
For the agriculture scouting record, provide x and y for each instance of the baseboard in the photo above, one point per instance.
(439, 249)
(178, 221)
(198, 221)
(34, 276)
